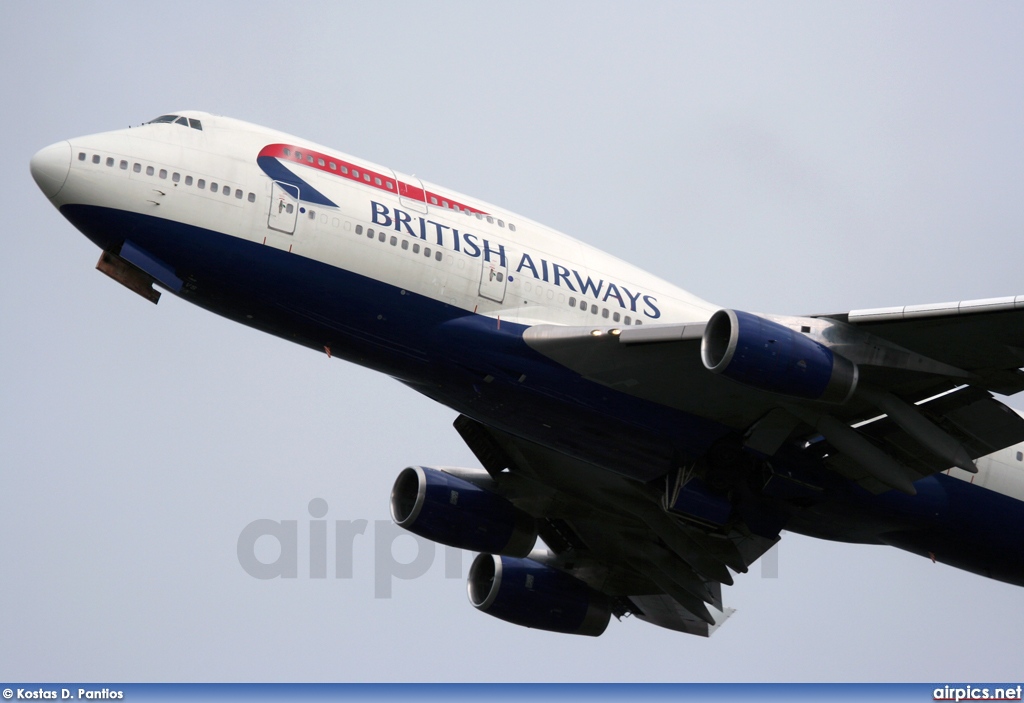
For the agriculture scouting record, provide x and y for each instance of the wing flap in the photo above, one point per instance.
(663, 611)
(972, 416)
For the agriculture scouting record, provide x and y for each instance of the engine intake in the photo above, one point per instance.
(528, 593)
(447, 509)
(766, 355)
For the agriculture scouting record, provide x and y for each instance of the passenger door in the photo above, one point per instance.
(493, 279)
(284, 207)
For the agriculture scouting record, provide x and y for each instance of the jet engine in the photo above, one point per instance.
(451, 510)
(528, 593)
(766, 355)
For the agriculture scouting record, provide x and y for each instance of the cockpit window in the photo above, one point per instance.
(183, 121)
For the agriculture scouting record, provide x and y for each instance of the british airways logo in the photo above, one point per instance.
(537, 267)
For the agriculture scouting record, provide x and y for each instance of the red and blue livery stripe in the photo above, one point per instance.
(273, 158)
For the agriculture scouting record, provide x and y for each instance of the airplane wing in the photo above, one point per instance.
(982, 337)
(920, 401)
(924, 381)
(614, 534)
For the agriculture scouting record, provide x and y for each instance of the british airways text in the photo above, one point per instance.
(539, 268)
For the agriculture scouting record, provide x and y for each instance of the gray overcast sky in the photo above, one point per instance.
(783, 157)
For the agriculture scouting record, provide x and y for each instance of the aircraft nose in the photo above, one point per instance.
(50, 167)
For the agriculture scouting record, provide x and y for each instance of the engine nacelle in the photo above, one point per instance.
(766, 355)
(528, 593)
(451, 510)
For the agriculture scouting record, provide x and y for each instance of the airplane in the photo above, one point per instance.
(654, 443)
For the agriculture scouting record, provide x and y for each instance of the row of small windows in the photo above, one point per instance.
(605, 313)
(355, 173)
(479, 215)
(175, 177)
(387, 183)
(394, 241)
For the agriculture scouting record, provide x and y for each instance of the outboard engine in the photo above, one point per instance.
(528, 593)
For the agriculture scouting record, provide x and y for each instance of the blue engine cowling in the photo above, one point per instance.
(528, 593)
(766, 355)
(451, 510)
